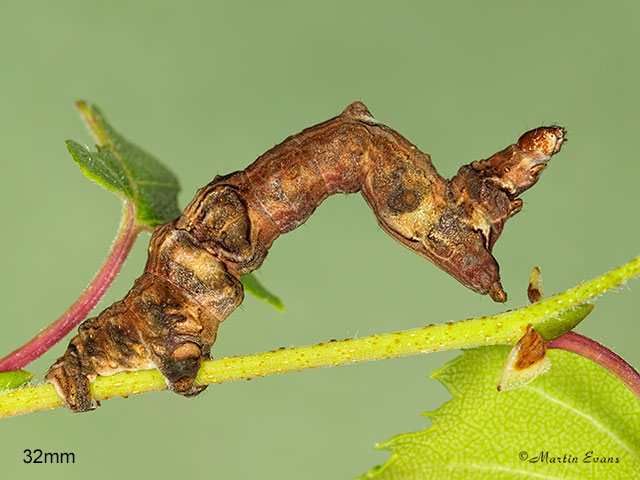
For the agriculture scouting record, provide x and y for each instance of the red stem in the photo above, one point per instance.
(588, 348)
(84, 304)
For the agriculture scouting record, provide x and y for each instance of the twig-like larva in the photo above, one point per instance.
(191, 280)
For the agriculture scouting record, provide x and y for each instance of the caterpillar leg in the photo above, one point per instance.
(168, 320)
(177, 332)
(72, 381)
(152, 326)
(104, 345)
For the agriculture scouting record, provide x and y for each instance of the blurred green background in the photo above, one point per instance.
(208, 87)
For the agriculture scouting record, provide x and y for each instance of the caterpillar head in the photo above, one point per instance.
(518, 167)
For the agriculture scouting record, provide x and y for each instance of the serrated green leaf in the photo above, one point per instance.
(125, 169)
(14, 379)
(254, 287)
(576, 412)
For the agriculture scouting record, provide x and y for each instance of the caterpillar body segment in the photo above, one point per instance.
(191, 281)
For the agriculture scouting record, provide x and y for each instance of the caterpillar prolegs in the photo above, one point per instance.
(191, 280)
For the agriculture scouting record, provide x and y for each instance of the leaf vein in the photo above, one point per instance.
(590, 418)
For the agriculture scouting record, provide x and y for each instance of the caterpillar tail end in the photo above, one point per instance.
(72, 382)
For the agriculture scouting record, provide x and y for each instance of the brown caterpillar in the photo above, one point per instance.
(191, 280)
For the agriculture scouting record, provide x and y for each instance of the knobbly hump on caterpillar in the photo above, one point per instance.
(169, 320)
(191, 283)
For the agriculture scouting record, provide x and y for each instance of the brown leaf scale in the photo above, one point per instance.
(532, 349)
(191, 282)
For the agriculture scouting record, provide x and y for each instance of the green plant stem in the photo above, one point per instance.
(504, 328)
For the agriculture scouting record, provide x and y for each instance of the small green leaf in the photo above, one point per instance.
(14, 379)
(554, 428)
(127, 170)
(254, 287)
(558, 325)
